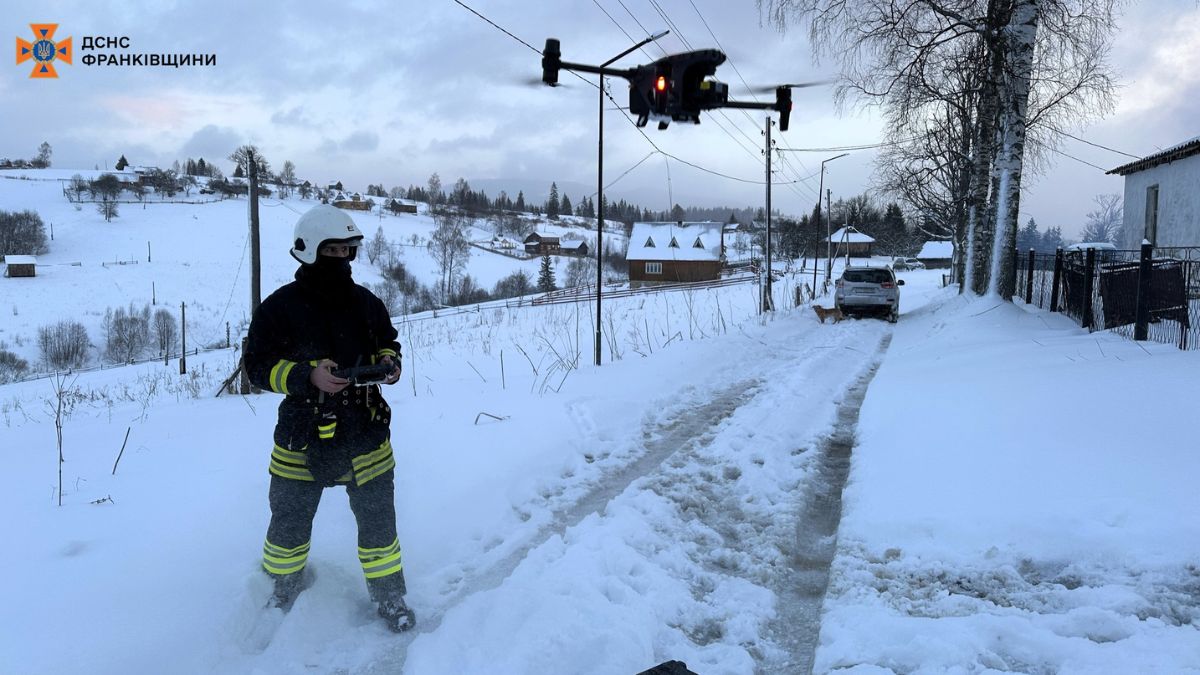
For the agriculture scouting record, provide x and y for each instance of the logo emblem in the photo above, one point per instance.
(43, 50)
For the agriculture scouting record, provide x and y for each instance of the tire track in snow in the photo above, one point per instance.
(801, 589)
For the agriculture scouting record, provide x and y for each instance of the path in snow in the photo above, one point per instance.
(801, 589)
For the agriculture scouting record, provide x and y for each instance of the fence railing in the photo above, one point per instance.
(1149, 294)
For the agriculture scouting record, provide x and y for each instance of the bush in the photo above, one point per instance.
(12, 367)
(64, 345)
(517, 283)
(22, 233)
(166, 331)
(126, 333)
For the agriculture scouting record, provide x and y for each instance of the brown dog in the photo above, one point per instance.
(832, 312)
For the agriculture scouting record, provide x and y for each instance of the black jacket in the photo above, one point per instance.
(323, 314)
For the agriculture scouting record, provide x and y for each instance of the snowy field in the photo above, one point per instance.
(1018, 497)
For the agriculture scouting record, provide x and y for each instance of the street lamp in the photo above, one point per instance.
(600, 186)
(828, 233)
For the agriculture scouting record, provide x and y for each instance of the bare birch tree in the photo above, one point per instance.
(1023, 68)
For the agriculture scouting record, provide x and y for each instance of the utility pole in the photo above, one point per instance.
(828, 235)
(768, 304)
(255, 265)
(183, 338)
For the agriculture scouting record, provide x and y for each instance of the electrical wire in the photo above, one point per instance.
(1095, 145)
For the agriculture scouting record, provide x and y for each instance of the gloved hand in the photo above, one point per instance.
(396, 369)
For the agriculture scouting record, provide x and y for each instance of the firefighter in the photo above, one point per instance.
(329, 432)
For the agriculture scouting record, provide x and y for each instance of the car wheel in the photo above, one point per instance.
(894, 316)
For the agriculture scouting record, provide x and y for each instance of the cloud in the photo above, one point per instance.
(295, 117)
(361, 141)
(212, 142)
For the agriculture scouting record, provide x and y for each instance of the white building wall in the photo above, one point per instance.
(1178, 204)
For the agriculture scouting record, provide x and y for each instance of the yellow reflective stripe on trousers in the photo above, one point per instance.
(279, 560)
(381, 562)
(289, 464)
(279, 375)
(375, 471)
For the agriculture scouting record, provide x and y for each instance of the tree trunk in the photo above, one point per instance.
(1019, 39)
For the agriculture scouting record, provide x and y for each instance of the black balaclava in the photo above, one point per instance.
(328, 272)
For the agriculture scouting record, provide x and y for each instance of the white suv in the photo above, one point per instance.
(873, 290)
(907, 264)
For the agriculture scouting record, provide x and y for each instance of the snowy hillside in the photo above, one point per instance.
(196, 254)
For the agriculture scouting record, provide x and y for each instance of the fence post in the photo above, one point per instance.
(1029, 279)
(1056, 282)
(1089, 285)
(1141, 329)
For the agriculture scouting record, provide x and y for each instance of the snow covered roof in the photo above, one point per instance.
(937, 250)
(675, 241)
(850, 235)
(572, 244)
(20, 260)
(1185, 149)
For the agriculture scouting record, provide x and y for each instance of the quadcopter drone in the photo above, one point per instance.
(674, 88)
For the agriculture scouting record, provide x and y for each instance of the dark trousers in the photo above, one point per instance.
(293, 507)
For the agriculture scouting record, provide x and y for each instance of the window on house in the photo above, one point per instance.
(697, 243)
(649, 242)
(653, 268)
(1152, 214)
(673, 244)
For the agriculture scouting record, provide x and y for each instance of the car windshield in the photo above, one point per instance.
(869, 276)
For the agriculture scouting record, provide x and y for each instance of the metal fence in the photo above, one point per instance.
(1149, 294)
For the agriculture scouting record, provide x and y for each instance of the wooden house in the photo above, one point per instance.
(573, 247)
(401, 206)
(541, 244)
(849, 241)
(354, 202)
(20, 266)
(674, 252)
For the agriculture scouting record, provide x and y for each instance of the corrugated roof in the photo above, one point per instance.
(1185, 149)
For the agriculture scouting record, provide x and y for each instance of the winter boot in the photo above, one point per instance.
(288, 588)
(397, 615)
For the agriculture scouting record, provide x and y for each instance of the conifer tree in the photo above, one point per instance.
(545, 282)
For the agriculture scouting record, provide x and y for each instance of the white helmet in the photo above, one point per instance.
(324, 224)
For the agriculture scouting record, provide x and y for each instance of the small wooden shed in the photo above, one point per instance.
(20, 266)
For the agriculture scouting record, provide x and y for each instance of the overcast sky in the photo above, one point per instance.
(387, 92)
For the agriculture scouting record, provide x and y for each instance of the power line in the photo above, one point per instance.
(1095, 145)
(497, 26)
(1053, 149)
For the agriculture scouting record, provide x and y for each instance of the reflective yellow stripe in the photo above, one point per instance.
(375, 471)
(279, 560)
(285, 455)
(279, 375)
(380, 562)
(281, 552)
(386, 352)
(285, 471)
(362, 461)
(326, 430)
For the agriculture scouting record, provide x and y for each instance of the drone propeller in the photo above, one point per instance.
(793, 85)
(537, 82)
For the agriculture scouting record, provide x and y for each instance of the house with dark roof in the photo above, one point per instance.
(1162, 197)
(674, 252)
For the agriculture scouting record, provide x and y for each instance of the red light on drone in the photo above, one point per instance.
(661, 83)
